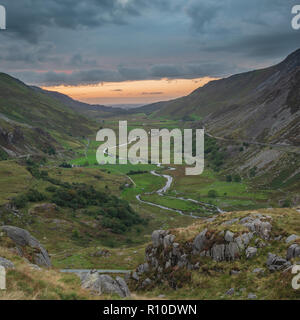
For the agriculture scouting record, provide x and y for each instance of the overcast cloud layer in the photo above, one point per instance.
(73, 42)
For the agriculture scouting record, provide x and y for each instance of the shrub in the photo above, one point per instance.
(20, 201)
(237, 178)
(65, 165)
(34, 196)
(229, 178)
(212, 194)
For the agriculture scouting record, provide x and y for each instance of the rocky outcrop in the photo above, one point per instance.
(169, 257)
(27, 246)
(104, 284)
(275, 263)
(293, 251)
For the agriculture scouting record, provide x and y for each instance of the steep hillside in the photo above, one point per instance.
(88, 110)
(31, 121)
(261, 105)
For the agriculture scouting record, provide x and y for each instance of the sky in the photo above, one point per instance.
(141, 51)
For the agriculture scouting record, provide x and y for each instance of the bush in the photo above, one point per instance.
(34, 196)
(20, 201)
(65, 165)
(237, 178)
(51, 189)
(229, 178)
(75, 234)
(212, 194)
(117, 215)
(286, 204)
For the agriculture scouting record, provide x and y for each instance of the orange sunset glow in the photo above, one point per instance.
(132, 92)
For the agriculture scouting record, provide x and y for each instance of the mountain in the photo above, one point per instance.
(95, 112)
(31, 121)
(261, 105)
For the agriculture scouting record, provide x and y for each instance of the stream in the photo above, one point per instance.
(167, 186)
(164, 189)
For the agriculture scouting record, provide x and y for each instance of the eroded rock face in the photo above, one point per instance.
(27, 246)
(104, 284)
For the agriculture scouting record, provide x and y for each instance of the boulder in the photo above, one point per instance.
(218, 252)
(168, 241)
(158, 237)
(27, 246)
(104, 284)
(7, 264)
(275, 263)
(292, 238)
(258, 270)
(230, 292)
(252, 296)
(262, 228)
(102, 253)
(200, 242)
(142, 268)
(293, 252)
(229, 236)
(232, 251)
(146, 283)
(251, 252)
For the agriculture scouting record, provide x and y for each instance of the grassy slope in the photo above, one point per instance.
(23, 104)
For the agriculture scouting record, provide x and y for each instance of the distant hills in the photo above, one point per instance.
(95, 112)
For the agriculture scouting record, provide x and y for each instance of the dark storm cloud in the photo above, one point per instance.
(74, 42)
(28, 18)
(258, 28)
(94, 76)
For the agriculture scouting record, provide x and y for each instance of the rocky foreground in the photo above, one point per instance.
(233, 255)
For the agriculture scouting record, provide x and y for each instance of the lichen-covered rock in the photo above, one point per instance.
(200, 242)
(7, 264)
(251, 252)
(218, 252)
(293, 252)
(104, 284)
(168, 240)
(229, 236)
(157, 237)
(292, 238)
(232, 251)
(257, 225)
(275, 263)
(142, 268)
(27, 246)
